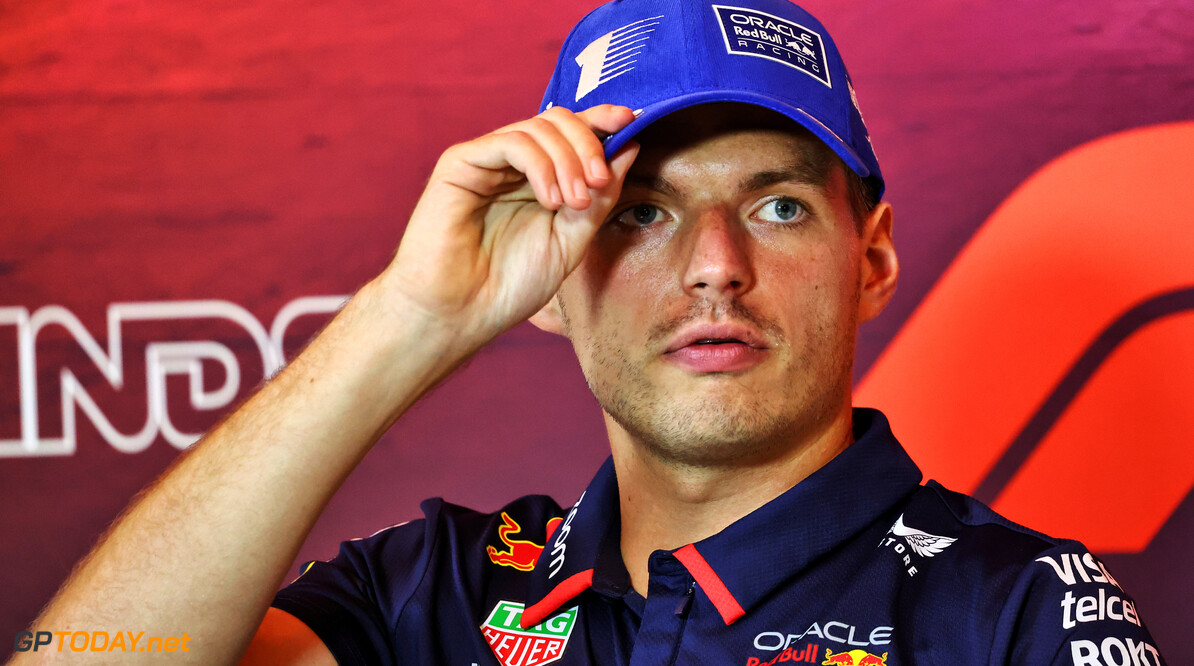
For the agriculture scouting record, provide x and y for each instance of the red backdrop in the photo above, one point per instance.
(175, 180)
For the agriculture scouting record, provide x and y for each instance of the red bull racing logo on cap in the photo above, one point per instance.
(519, 553)
(854, 658)
(753, 33)
(515, 646)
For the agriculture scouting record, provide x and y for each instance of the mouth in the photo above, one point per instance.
(726, 347)
(712, 335)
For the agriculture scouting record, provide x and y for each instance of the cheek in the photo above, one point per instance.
(832, 261)
(599, 305)
(818, 286)
(618, 281)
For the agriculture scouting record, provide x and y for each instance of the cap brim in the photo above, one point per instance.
(650, 114)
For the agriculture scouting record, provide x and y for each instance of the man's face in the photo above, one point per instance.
(715, 313)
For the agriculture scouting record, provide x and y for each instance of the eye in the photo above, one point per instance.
(640, 215)
(782, 210)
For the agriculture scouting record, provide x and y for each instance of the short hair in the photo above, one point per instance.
(862, 195)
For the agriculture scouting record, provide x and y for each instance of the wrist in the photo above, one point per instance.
(403, 348)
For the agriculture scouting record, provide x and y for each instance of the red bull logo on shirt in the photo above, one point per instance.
(519, 553)
(854, 658)
(515, 646)
(806, 654)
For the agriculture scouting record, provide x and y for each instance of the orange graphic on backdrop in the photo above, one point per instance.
(519, 554)
(1048, 369)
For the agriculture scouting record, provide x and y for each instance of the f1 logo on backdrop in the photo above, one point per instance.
(1048, 371)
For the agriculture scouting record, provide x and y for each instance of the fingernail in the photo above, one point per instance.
(554, 193)
(580, 189)
(598, 168)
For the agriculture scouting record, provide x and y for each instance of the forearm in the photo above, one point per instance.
(203, 550)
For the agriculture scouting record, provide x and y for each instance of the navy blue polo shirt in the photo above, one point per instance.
(858, 564)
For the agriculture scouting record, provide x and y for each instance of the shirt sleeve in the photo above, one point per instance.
(353, 601)
(1066, 608)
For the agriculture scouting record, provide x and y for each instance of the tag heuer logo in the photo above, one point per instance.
(515, 646)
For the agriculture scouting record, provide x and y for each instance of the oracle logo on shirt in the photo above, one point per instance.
(838, 632)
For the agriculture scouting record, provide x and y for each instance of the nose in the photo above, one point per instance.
(718, 261)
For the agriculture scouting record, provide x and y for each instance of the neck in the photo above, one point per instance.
(666, 505)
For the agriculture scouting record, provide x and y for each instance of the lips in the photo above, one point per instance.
(725, 347)
(713, 334)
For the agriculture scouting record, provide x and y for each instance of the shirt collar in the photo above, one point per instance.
(737, 567)
(578, 546)
(826, 509)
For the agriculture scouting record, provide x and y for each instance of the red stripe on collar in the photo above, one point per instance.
(710, 582)
(568, 588)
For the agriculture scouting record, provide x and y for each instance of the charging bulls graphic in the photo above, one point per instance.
(854, 658)
(519, 554)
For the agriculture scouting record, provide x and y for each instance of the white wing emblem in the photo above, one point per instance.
(922, 543)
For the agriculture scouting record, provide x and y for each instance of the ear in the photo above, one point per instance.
(879, 268)
(549, 317)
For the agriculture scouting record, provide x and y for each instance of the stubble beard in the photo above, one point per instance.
(731, 422)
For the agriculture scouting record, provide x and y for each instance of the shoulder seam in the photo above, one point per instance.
(993, 517)
(425, 564)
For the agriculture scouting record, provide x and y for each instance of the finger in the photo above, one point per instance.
(480, 165)
(570, 173)
(607, 197)
(577, 227)
(603, 119)
(585, 130)
(584, 143)
(606, 118)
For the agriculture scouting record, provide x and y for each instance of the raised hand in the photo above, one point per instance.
(506, 217)
(503, 220)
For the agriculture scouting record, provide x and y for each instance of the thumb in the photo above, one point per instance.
(605, 198)
(577, 227)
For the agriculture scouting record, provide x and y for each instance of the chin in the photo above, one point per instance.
(705, 432)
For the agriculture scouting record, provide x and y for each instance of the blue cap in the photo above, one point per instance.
(660, 56)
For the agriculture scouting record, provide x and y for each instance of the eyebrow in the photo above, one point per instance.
(808, 172)
(812, 172)
(653, 183)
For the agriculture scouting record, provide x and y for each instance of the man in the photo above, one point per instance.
(711, 283)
